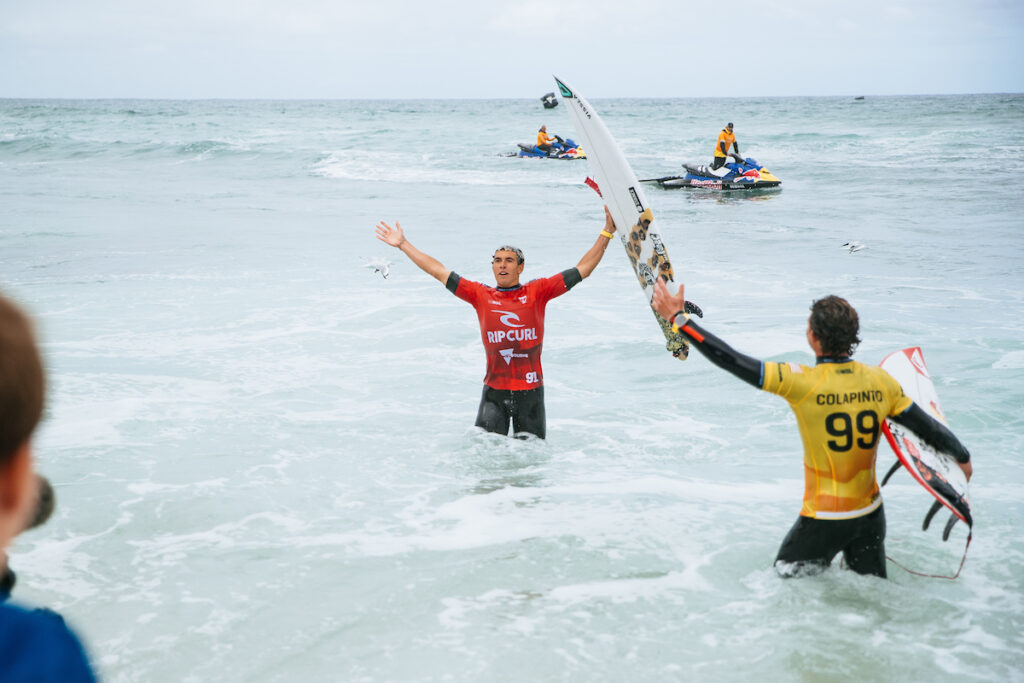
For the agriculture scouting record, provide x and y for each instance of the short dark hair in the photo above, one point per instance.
(515, 250)
(22, 382)
(834, 321)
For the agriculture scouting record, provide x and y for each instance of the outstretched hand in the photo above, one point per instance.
(609, 222)
(666, 304)
(393, 236)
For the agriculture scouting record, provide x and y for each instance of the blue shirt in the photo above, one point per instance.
(36, 645)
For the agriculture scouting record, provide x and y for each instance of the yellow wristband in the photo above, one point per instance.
(675, 326)
(607, 234)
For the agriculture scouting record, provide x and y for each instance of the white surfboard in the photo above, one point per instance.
(625, 199)
(937, 472)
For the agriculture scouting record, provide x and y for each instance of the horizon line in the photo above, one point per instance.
(477, 99)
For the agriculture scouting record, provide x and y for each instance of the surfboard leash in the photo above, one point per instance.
(938, 576)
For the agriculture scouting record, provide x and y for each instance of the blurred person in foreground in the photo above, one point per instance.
(35, 645)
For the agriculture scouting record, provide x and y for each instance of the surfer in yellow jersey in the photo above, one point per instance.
(725, 140)
(840, 405)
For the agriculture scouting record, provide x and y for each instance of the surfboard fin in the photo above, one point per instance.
(679, 348)
(931, 513)
(892, 471)
(949, 527)
(693, 309)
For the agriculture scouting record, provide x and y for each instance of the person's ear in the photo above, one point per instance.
(16, 481)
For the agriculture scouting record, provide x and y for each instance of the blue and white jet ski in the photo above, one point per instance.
(562, 149)
(739, 174)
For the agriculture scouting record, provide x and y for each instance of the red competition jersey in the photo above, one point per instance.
(512, 326)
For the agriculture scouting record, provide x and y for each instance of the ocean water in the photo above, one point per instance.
(263, 452)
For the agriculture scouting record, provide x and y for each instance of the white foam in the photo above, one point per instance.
(1014, 360)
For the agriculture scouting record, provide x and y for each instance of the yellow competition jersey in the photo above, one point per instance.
(726, 137)
(840, 407)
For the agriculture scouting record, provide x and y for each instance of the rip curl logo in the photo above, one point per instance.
(509, 354)
(522, 299)
(508, 317)
(516, 335)
(917, 360)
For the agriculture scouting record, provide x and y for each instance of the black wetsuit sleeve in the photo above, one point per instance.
(748, 369)
(453, 281)
(932, 432)
(572, 278)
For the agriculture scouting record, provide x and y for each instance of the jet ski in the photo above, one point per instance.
(739, 174)
(562, 149)
(550, 101)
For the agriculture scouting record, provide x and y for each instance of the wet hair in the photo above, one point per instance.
(835, 323)
(22, 383)
(515, 250)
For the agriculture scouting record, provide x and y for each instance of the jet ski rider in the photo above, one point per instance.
(725, 139)
(545, 142)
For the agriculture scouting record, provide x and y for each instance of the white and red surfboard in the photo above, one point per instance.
(937, 472)
(624, 197)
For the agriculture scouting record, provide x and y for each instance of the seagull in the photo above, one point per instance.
(379, 265)
(854, 246)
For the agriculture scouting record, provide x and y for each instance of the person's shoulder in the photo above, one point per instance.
(789, 367)
(37, 645)
(545, 283)
(872, 370)
(35, 626)
(881, 375)
(786, 373)
(466, 283)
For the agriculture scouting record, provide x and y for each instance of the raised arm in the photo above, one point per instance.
(595, 253)
(396, 238)
(672, 308)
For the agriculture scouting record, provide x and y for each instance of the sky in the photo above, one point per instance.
(385, 49)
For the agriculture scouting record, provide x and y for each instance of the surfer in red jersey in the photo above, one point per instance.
(840, 405)
(511, 316)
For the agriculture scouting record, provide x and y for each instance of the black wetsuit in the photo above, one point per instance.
(525, 410)
(818, 536)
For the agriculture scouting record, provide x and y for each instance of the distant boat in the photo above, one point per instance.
(550, 101)
(859, 97)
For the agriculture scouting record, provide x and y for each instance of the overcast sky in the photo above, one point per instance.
(507, 48)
